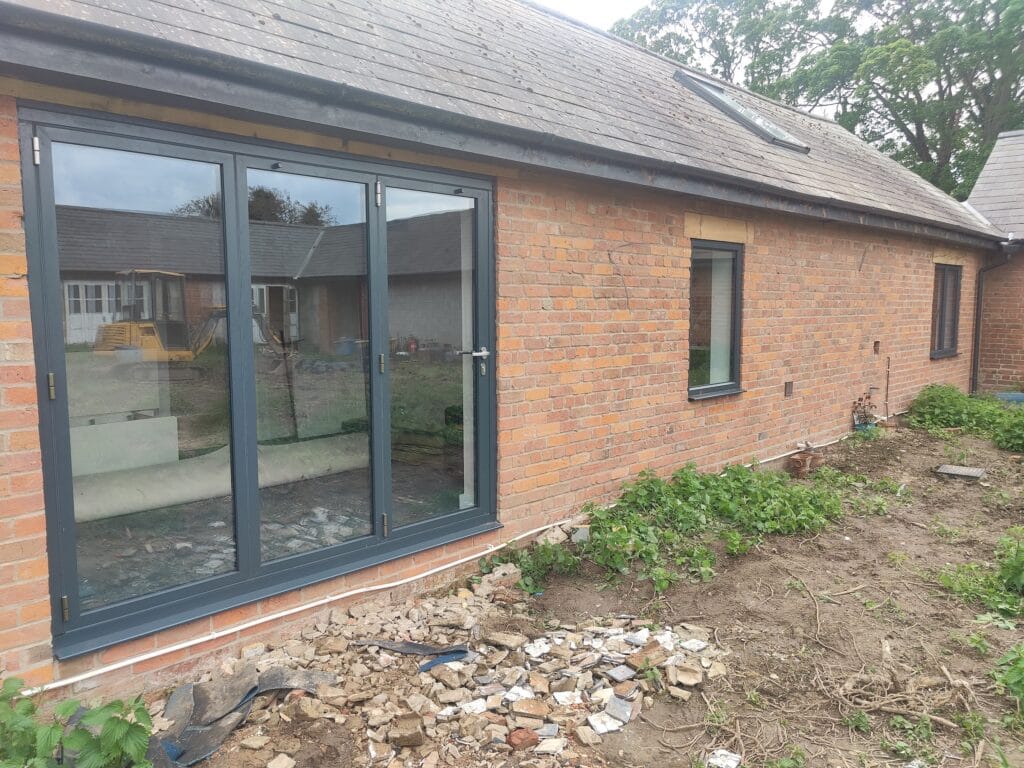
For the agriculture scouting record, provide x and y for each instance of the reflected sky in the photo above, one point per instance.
(96, 177)
(406, 203)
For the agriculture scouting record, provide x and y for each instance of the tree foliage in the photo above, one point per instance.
(929, 82)
(265, 204)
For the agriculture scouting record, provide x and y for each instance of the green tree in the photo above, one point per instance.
(929, 82)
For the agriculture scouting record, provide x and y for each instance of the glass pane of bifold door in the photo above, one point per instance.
(431, 278)
(141, 260)
(307, 246)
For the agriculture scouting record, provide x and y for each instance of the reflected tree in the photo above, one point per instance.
(265, 204)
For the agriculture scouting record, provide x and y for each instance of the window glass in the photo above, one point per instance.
(431, 308)
(713, 286)
(946, 309)
(307, 244)
(147, 376)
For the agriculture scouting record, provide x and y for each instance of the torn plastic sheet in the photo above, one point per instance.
(205, 714)
(444, 654)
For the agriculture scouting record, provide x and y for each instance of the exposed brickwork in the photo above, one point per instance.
(593, 332)
(593, 318)
(24, 591)
(1002, 329)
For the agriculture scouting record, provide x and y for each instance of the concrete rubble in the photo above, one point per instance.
(546, 692)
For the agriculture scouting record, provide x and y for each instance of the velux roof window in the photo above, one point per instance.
(749, 118)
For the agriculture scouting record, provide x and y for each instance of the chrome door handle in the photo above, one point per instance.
(482, 352)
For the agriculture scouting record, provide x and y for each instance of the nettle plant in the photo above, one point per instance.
(115, 735)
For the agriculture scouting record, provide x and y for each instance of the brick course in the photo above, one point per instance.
(24, 591)
(1001, 360)
(593, 325)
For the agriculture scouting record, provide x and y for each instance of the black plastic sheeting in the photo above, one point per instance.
(205, 714)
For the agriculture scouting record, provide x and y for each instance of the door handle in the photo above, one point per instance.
(482, 352)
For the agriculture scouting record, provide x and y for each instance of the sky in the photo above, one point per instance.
(596, 13)
(97, 177)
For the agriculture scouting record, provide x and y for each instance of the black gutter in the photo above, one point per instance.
(68, 52)
(1009, 248)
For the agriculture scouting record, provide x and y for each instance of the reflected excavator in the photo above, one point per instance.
(152, 328)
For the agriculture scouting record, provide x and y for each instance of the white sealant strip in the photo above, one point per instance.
(319, 603)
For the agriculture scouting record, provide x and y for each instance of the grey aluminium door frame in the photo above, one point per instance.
(76, 633)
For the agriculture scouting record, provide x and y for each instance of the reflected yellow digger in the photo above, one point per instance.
(152, 327)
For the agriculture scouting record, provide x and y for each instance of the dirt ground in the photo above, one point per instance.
(874, 595)
(856, 604)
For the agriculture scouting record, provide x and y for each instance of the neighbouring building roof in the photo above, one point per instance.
(93, 240)
(502, 68)
(998, 194)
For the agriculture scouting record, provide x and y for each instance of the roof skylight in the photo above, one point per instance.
(749, 118)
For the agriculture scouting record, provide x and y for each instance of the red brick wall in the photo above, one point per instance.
(24, 592)
(593, 331)
(593, 286)
(1002, 329)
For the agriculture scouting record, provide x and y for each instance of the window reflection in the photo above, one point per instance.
(307, 244)
(431, 262)
(145, 341)
(712, 314)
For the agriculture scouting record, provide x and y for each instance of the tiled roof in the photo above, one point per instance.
(998, 194)
(508, 63)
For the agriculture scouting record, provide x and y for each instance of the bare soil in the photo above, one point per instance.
(869, 605)
(856, 604)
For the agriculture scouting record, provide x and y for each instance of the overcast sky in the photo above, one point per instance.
(596, 13)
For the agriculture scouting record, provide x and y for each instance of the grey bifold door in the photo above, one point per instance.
(258, 369)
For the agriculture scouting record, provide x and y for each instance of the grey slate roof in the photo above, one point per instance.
(95, 240)
(998, 194)
(507, 63)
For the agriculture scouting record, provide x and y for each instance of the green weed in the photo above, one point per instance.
(1010, 556)
(1009, 674)
(910, 740)
(657, 526)
(866, 435)
(536, 563)
(1009, 433)
(858, 721)
(114, 735)
(941, 407)
(796, 759)
(973, 725)
(897, 558)
(1000, 588)
(944, 531)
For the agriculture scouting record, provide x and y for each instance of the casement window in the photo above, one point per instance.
(946, 310)
(265, 367)
(716, 271)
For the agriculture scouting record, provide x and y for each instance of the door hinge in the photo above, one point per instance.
(65, 609)
(36, 154)
(378, 190)
(51, 386)
(386, 526)
(380, 363)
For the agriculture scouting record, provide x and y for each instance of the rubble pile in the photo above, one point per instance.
(518, 688)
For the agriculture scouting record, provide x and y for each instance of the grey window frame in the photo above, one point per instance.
(734, 385)
(253, 580)
(939, 344)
